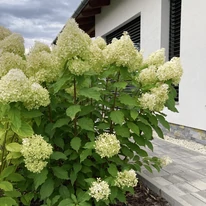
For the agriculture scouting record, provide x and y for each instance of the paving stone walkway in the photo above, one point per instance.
(183, 182)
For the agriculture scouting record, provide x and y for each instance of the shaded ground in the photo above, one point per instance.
(143, 196)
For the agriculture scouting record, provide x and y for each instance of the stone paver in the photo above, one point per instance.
(183, 182)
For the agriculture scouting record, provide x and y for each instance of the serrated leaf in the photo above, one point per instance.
(58, 155)
(127, 152)
(15, 177)
(7, 201)
(89, 145)
(112, 170)
(86, 123)
(7, 171)
(128, 100)
(75, 143)
(24, 131)
(85, 154)
(146, 129)
(134, 114)
(73, 110)
(61, 122)
(92, 93)
(60, 172)
(163, 122)
(66, 202)
(15, 117)
(46, 189)
(6, 186)
(40, 178)
(133, 127)
(120, 85)
(122, 131)
(117, 117)
(13, 147)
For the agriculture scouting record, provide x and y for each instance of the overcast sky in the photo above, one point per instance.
(38, 20)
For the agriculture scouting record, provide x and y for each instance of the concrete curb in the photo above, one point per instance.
(166, 194)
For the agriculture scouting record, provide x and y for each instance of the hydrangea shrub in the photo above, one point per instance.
(75, 119)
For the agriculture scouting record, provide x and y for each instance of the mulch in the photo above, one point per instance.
(143, 196)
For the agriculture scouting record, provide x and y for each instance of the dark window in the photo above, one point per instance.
(175, 28)
(133, 29)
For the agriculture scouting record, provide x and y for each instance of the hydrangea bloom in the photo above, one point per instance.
(100, 42)
(123, 53)
(39, 47)
(107, 145)
(72, 42)
(164, 161)
(4, 32)
(148, 75)
(35, 151)
(9, 61)
(157, 58)
(170, 70)
(99, 190)
(42, 67)
(126, 178)
(13, 44)
(155, 99)
(38, 96)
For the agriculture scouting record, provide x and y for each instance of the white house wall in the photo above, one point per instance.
(192, 98)
(121, 11)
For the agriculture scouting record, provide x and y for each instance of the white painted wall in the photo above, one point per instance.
(155, 34)
(121, 11)
(192, 103)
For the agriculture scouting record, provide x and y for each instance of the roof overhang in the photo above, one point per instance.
(85, 15)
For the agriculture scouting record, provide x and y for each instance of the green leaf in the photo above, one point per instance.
(85, 154)
(149, 145)
(133, 127)
(146, 129)
(40, 178)
(64, 191)
(73, 177)
(158, 131)
(120, 85)
(24, 131)
(117, 117)
(60, 172)
(89, 145)
(148, 168)
(15, 117)
(7, 171)
(26, 198)
(112, 170)
(58, 155)
(134, 114)
(127, 152)
(31, 114)
(15, 177)
(122, 131)
(92, 93)
(55, 199)
(82, 196)
(163, 122)
(46, 189)
(128, 100)
(75, 143)
(114, 191)
(60, 82)
(13, 147)
(77, 167)
(86, 123)
(14, 193)
(6, 186)
(73, 110)
(7, 201)
(13, 155)
(139, 140)
(61, 122)
(66, 202)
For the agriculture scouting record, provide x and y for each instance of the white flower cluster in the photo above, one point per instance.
(122, 52)
(170, 70)
(155, 99)
(4, 32)
(107, 145)
(16, 87)
(99, 190)
(35, 151)
(164, 161)
(13, 43)
(157, 58)
(126, 178)
(148, 75)
(39, 47)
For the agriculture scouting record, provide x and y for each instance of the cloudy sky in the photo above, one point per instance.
(39, 20)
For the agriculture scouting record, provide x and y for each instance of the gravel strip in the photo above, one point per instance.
(187, 144)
